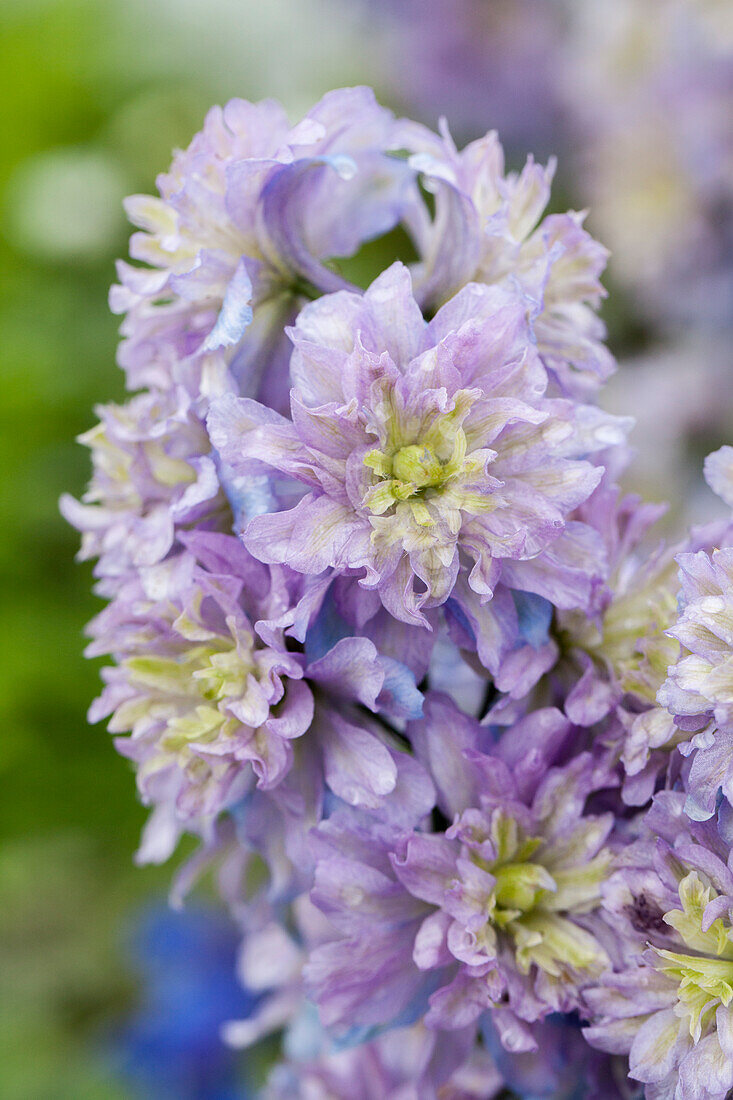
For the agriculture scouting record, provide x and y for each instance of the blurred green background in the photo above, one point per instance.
(94, 95)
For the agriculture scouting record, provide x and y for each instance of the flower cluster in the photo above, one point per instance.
(651, 89)
(386, 637)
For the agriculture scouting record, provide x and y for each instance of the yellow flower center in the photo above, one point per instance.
(418, 466)
(705, 979)
(631, 637)
(412, 472)
(703, 985)
(185, 691)
(528, 900)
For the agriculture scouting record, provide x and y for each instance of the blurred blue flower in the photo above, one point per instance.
(171, 1045)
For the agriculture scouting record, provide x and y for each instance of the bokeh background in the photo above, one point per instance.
(103, 993)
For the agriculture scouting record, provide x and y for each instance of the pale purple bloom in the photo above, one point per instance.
(246, 216)
(651, 86)
(493, 915)
(489, 225)
(615, 661)
(194, 685)
(424, 445)
(215, 702)
(698, 691)
(404, 1064)
(153, 473)
(668, 1003)
(474, 63)
(608, 666)
(589, 655)
(313, 516)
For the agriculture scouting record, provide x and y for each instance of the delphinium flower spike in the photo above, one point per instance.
(385, 636)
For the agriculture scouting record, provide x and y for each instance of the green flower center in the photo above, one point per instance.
(185, 691)
(631, 637)
(412, 473)
(520, 883)
(223, 674)
(424, 471)
(705, 979)
(418, 467)
(529, 898)
(703, 985)
(519, 888)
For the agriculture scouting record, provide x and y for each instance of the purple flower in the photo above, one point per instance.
(493, 915)
(652, 92)
(668, 1003)
(488, 226)
(563, 1067)
(591, 656)
(608, 667)
(171, 1045)
(246, 216)
(153, 473)
(475, 62)
(420, 498)
(423, 445)
(405, 1064)
(215, 702)
(698, 691)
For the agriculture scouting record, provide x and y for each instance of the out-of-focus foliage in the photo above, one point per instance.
(95, 94)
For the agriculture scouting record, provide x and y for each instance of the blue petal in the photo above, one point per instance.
(248, 494)
(535, 616)
(454, 611)
(404, 699)
(236, 311)
(725, 821)
(305, 1038)
(327, 629)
